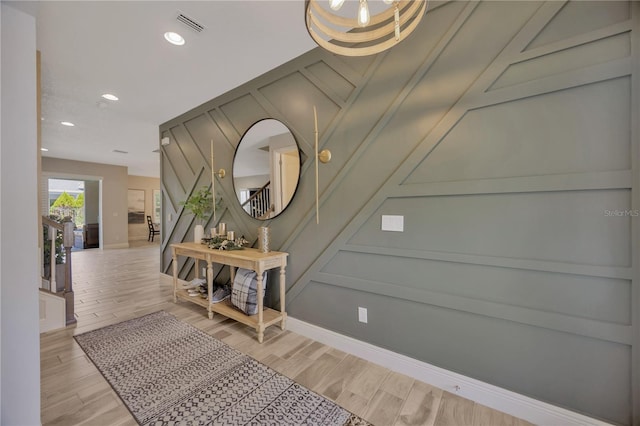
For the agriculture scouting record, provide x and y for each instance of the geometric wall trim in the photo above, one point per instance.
(506, 135)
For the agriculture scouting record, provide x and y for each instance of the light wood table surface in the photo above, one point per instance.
(248, 258)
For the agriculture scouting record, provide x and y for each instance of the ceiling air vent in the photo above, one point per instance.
(190, 23)
(120, 152)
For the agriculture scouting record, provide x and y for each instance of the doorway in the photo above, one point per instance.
(79, 201)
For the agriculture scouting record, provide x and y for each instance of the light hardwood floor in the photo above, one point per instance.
(116, 285)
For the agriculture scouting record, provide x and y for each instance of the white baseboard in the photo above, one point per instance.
(116, 246)
(509, 402)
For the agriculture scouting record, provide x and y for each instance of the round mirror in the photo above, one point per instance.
(266, 168)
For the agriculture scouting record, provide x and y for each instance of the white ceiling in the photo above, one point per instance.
(93, 47)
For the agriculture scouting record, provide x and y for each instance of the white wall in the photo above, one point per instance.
(0, 213)
(91, 201)
(19, 271)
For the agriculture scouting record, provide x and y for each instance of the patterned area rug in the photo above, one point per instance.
(168, 372)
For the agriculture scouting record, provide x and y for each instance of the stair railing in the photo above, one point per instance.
(259, 204)
(66, 229)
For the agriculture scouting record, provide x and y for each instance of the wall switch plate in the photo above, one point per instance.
(204, 272)
(392, 223)
(362, 315)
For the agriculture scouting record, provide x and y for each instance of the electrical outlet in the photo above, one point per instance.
(362, 315)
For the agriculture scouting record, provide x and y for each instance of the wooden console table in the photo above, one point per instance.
(249, 258)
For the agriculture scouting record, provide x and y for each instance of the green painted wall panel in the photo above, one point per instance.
(547, 365)
(568, 294)
(503, 133)
(554, 226)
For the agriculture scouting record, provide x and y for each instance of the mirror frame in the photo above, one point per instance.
(235, 157)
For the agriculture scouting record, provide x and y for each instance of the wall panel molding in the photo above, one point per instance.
(503, 133)
(615, 333)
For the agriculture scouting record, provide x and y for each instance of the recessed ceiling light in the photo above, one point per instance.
(110, 97)
(67, 123)
(44, 149)
(174, 38)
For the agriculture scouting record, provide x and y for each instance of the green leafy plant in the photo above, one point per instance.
(67, 206)
(200, 204)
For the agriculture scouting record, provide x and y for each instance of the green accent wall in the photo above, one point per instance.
(506, 135)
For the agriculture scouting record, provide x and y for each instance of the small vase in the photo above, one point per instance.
(264, 239)
(198, 233)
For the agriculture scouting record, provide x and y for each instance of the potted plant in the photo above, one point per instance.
(200, 204)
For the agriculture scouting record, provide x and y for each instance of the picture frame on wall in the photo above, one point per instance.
(157, 205)
(135, 207)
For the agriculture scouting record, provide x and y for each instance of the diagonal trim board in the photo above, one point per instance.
(426, 146)
(500, 399)
(302, 281)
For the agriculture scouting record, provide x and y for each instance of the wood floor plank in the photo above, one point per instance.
(333, 384)
(296, 365)
(311, 376)
(56, 395)
(420, 406)
(62, 408)
(397, 384)
(353, 402)
(454, 411)
(383, 408)
(118, 415)
(366, 384)
(91, 413)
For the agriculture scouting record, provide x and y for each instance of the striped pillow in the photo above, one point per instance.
(244, 293)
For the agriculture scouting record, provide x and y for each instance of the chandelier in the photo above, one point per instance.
(363, 34)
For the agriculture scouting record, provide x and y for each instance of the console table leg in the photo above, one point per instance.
(260, 289)
(283, 312)
(210, 287)
(174, 256)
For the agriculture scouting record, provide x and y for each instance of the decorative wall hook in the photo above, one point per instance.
(324, 156)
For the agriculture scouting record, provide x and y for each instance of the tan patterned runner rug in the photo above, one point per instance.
(168, 372)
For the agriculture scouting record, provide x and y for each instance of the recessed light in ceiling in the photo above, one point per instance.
(44, 149)
(174, 38)
(67, 123)
(110, 97)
